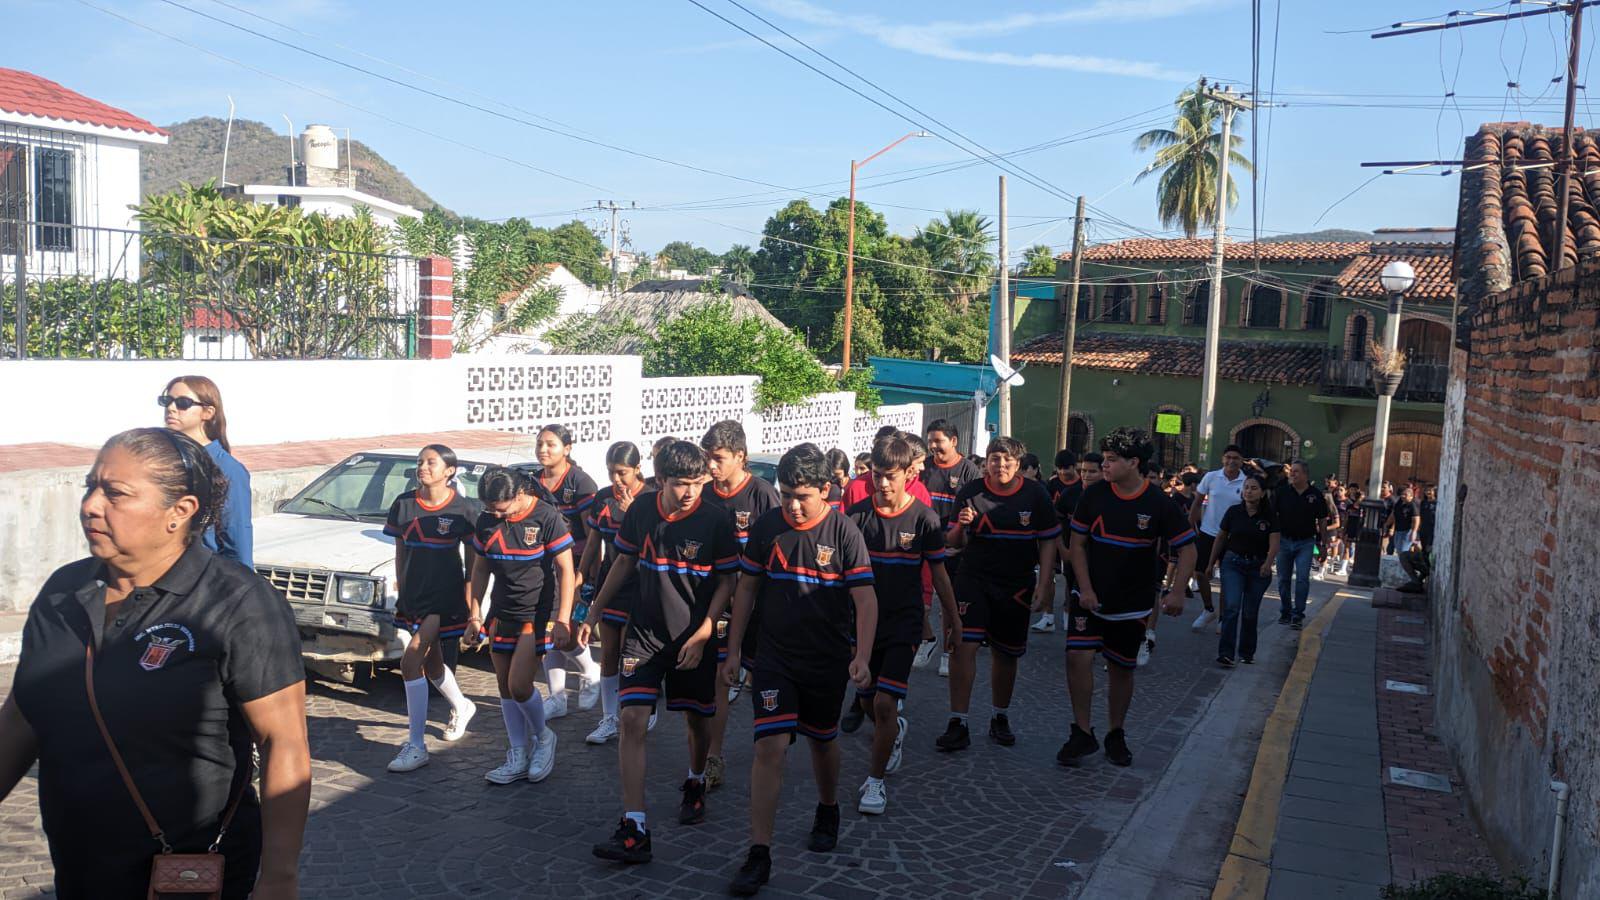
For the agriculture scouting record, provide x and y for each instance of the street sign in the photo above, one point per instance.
(1405, 459)
(1172, 423)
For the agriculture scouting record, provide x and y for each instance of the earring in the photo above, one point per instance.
(172, 526)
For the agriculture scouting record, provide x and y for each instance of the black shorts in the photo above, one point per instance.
(996, 613)
(1116, 639)
(504, 634)
(620, 610)
(452, 617)
(891, 670)
(688, 690)
(807, 705)
(1202, 547)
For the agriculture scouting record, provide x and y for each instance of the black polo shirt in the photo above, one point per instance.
(171, 672)
(1249, 536)
(1299, 513)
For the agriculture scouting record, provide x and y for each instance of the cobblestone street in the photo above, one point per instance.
(990, 822)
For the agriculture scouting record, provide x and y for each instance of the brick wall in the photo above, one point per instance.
(1519, 600)
(436, 317)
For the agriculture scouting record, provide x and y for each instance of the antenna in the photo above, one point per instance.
(227, 136)
(1008, 375)
(291, 149)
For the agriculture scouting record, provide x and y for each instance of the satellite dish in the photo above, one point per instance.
(1007, 374)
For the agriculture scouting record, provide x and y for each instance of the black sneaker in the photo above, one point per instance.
(1000, 731)
(1117, 748)
(955, 737)
(753, 874)
(1079, 744)
(628, 844)
(1224, 661)
(1297, 623)
(1283, 619)
(824, 829)
(852, 719)
(1248, 660)
(692, 811)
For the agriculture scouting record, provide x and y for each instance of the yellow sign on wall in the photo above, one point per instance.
(1169, 423)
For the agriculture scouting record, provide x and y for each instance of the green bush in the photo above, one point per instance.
(1450, 886)
(81, 318)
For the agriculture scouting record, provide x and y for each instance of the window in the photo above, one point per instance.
(1078, 434)
(1315, 315)
(288, 199)
(1117, 303)
(1357, 349)
(1199, 302)
(1085, 302)
(52, 198)
(1170, 452)
(1266, 307)
(1158, 304)
(13, 195)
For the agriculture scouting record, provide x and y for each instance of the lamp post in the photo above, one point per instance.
(850, 246)
(1397, 278)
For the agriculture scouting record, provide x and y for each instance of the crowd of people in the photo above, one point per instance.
(815, 597)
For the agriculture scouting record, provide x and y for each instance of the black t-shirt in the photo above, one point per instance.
(1299, 514)
(172, 672)
(604, 519)
(835, 497)
(1429, 510)
(519, 552)
(679, 556)
(1249, 536)
(745, 504)
(807, 617)
(574, 493)
(944, 483)
(1405, 512)
(1124, 566)
(898, 544)
(1003, 541)
(1065, 497)
(432, 537)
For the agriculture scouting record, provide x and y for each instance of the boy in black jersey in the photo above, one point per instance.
(902, 535)
(744, 499)
(682, 554)
(1065, 488)
(1115, 532)
(946, 472)
(1007, 527)
(807, 568)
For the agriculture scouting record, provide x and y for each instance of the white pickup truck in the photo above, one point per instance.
(324, 549)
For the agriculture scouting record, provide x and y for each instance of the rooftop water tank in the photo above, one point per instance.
(319, 147)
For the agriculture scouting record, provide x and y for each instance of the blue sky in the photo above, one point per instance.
(667, 79)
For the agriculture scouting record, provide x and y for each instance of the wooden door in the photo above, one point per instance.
(1408, 454)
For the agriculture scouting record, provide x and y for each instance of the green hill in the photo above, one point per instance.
(1325, 235)
(258, 155)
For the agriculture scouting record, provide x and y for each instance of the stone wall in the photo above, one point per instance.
(1519, 597)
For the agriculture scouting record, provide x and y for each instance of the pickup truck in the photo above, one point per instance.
(324, 549)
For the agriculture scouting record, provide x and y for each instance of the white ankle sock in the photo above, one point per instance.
(638, 819)
(959, 715)
(696, 776)
(416, 710)
(585, 660)
(608, 694)
(516, 722)
(446, 686)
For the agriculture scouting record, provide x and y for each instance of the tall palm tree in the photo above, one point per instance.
(1187, 160)
(959, 243)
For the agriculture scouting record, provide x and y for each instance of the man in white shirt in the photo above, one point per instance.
(1218, 491)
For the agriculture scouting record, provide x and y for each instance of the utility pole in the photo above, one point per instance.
(1231, 104)
(1069, 333)
(1564, 194)
(1003, 339)
(613, 207)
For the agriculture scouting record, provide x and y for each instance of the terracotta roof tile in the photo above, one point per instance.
(1248, 361)
(27, 94)
(1200, 249)
(1432, 262)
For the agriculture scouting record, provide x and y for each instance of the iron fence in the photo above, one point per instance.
(80, 292)
(1424, 380)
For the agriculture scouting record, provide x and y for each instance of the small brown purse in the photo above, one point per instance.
(187, 874)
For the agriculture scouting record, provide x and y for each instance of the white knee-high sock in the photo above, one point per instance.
(608, 694)
(416, 709)
(585, 660)
(516, 722)
(533, 710)
(555, 673)
(447, 687)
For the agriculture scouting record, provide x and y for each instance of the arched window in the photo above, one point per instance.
(1314, 315)
(1264, 308)
(1199, 303)
(1355, 344)
(1158, 304)
(1117, 303)
(1079, 433)
(1085, 304)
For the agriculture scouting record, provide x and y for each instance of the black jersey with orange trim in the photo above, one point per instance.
(1003, 539)
(898, 543)
(432, 536)
(945, 482)
(604, 519)
(835, 497)
(573, 493)
(745, 504)
(1064, 496)
(679, 555)
(1124, 532)
(519, 552)
(807, 618)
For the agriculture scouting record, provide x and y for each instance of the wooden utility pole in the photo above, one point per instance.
(1208, 381)
(1003, 339)
(1564, 192)
(1069, 334)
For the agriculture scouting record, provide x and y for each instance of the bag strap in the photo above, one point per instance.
(127, 777)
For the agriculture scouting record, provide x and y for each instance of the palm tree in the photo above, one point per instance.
(1038, 260)
(959, 243)
(1187, 159)
(738, 264)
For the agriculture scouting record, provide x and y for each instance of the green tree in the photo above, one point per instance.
(958, 245)
(686, 256)
(738, 264)
(1187, 157)
(1038, 260)
(575, 246)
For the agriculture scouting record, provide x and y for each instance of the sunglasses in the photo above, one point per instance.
(184, 404)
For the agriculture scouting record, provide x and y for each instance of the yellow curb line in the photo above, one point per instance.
(1247, 867)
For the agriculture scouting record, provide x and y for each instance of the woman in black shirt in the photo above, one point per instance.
(1246, 544)
(192, 657)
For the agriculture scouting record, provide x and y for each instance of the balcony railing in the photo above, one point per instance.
(1424, 380)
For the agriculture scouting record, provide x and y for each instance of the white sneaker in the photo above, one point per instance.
(1205, 618)
(555, 706)
(543, 759)
(733, 692)
(603, 732)
(588, 693)
(1316, 574)
(410, 758)
(515, 767)
(1147, 647)
(944, 665)
(925, 651)
(899, 745)
(1045, 625)
(873, 799)
(457, 729)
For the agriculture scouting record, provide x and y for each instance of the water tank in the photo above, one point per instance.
(319, 147)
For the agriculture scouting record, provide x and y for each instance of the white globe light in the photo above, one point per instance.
(1398, 276)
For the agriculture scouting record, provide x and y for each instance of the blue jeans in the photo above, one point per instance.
(1243, 586)
(1294, 568)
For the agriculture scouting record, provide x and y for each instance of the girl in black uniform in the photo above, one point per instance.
(429, 525)
(574, 494)
(518, 536)
(605, 520)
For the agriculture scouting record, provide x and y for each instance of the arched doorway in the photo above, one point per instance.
(1266, 439)
(1412, 451)
(1079, 433)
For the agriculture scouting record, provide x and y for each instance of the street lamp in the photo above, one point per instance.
(1397, 278)
(850, 245)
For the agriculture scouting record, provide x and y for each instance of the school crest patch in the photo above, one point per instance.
(690, 549)
(442, 524)
(955, 486)
(566, 494)
(769, 700)
(1144, 521)
(961, 608)
(629, 664)
(906, 539)
(530, 534)
(158, 652)
(722, 629)
(1080, 623)
(824, 554)
(1025, 517)
(741, 518)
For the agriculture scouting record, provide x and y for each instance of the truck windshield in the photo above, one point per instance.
(365, 486)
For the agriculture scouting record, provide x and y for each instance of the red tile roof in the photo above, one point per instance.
(1259, 362)
(1200, 250)
(201, 317)
(1435, 280)
(24, 93)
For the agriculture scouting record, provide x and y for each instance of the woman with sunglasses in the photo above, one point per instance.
(194, 407)
(573, 492)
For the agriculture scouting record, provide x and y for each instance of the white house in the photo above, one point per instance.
(319, 184)
(576, 297)
(69, 173)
